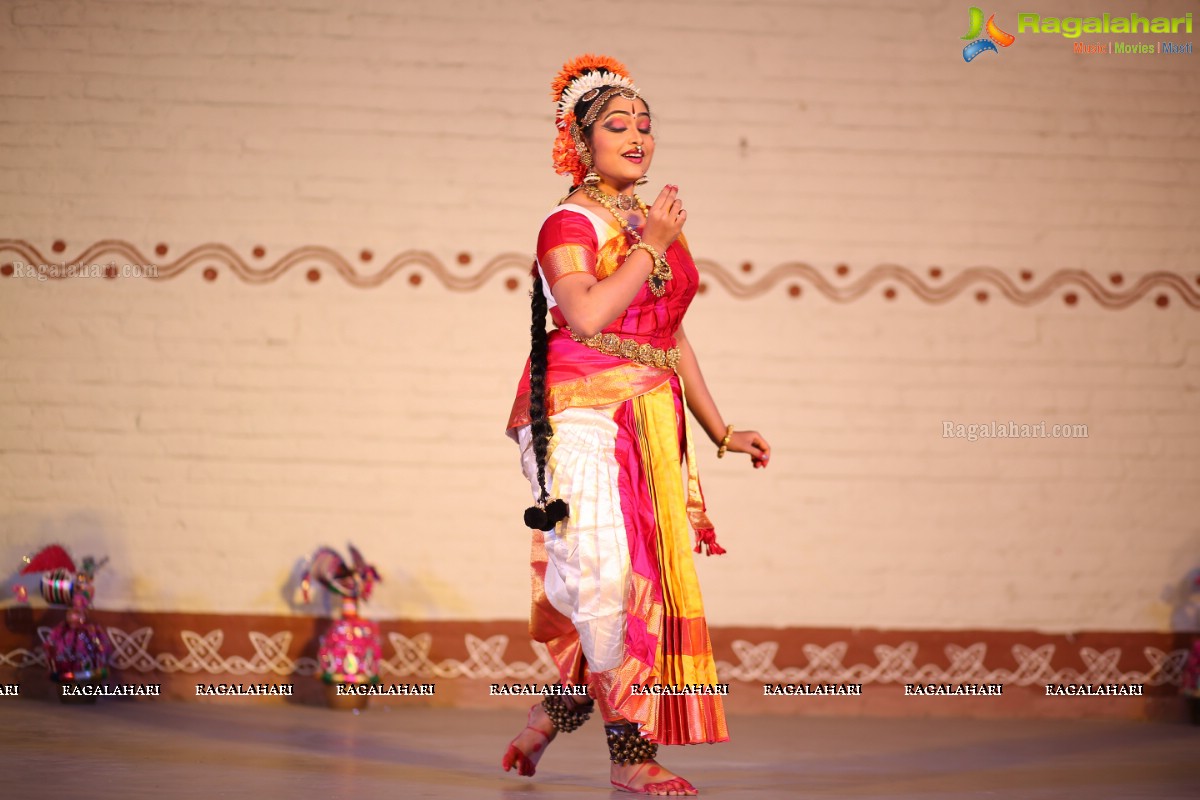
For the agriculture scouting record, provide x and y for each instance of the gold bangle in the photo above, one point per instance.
(643, 246)
(656, 258)
(661, 272)
(725, 442)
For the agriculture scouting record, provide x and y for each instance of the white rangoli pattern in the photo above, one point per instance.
(756, 662)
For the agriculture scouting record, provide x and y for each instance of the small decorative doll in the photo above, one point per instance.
(77, 651)
(349, 652)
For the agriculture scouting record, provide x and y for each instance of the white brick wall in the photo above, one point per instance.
(207, 435)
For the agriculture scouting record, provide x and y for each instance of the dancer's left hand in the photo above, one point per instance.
(753, 443)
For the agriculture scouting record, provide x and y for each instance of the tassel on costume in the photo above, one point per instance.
(707, 538)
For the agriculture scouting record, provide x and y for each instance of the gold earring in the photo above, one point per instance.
(581, 146)
(642, 181)
(591, 179)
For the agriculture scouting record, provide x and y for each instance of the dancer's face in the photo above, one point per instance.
(621, 142)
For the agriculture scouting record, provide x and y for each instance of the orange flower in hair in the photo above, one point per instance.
(565, 156)
(582, 65)
(581, 74)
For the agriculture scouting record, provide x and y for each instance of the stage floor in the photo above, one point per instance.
(182, 751)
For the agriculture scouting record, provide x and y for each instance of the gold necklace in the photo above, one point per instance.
(662, 270)
(627, 202)
(624, 202)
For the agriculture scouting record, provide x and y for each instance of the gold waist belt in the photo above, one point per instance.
(613, 345)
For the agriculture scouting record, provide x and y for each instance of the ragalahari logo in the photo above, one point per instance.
(995, 36)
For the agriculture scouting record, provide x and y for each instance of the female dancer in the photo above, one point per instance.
(600, 419)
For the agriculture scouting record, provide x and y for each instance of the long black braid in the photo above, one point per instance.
(545, 515)
(539, 423)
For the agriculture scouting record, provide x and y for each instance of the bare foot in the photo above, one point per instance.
(650, 777)
(529, 746)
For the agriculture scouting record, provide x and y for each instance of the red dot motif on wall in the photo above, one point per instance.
(932, 285)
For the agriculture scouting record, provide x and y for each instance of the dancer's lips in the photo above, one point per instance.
(635, 155)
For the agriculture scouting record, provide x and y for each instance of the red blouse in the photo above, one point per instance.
(573, 239)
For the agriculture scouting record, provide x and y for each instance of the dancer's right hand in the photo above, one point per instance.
(664, 222)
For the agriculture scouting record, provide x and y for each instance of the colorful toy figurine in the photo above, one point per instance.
(349, 652)
(77, 651)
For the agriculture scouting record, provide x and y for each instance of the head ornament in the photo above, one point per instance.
(583, 78)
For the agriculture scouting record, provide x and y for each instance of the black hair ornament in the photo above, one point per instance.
(544, 518)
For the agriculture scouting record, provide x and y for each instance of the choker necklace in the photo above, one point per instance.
(662, 270)
(617, 202)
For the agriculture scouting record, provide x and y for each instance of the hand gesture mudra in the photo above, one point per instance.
(664, 219)
(752, 443)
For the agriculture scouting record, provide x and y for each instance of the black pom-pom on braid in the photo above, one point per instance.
(556, 511)
(536, 517)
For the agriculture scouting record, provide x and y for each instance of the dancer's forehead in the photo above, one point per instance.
(619, 106)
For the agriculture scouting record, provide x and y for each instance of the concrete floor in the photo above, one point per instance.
(180, 751)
